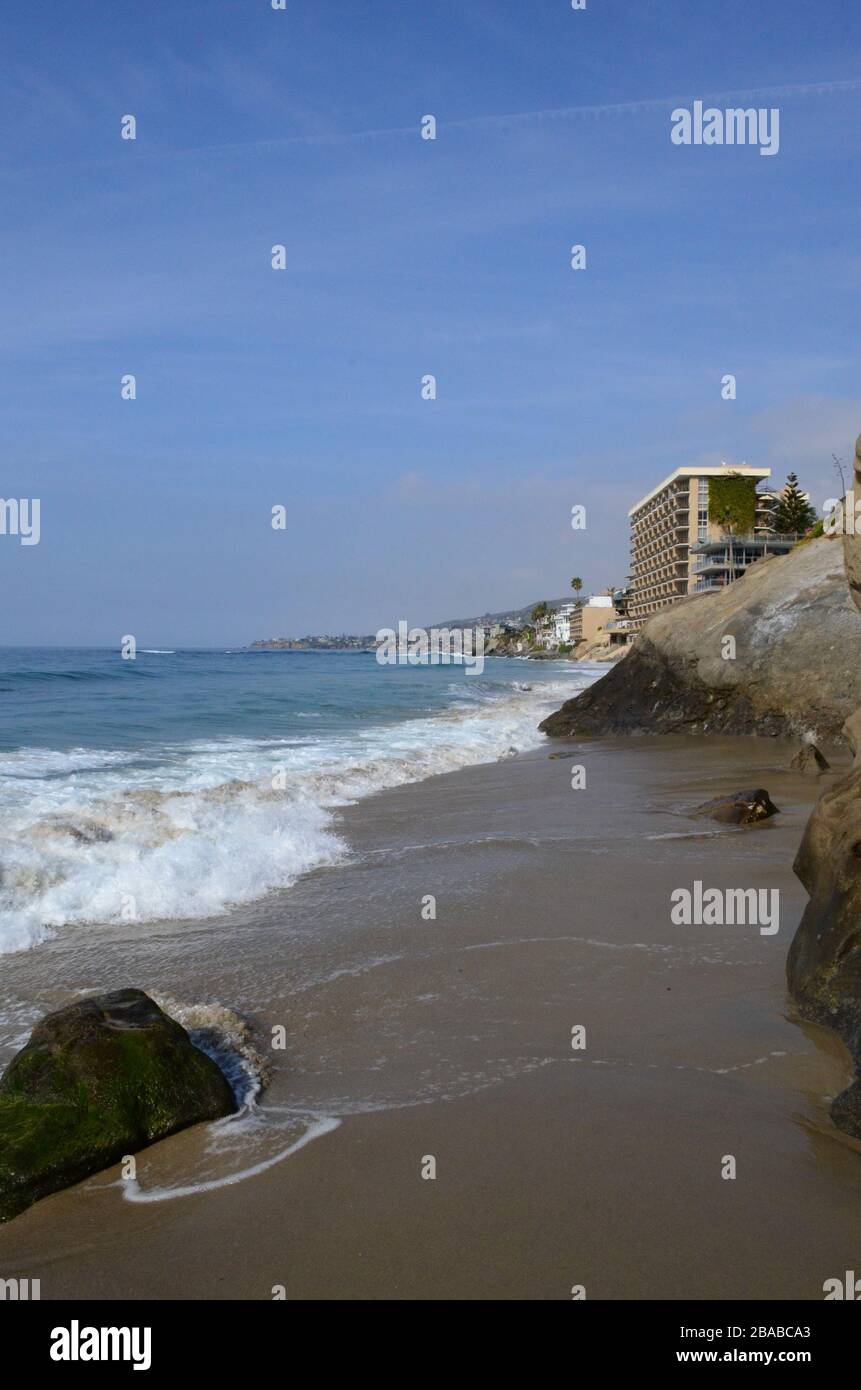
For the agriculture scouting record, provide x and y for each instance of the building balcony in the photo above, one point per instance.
(756, 545)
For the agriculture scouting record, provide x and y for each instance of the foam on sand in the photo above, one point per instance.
(91, 836)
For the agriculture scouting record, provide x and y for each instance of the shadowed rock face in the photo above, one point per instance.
(98, 1080)
(824, 964)
(796, 668)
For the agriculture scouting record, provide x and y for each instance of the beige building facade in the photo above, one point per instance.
(666, 525)
(590, 619)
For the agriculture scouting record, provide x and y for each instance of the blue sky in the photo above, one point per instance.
(404, 257)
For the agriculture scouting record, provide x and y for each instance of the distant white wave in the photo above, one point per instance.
(97, 836)
(41, 762)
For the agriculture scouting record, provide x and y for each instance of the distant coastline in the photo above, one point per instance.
(328, 643)
(513, 619)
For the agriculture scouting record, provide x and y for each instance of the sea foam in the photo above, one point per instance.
(97, 836)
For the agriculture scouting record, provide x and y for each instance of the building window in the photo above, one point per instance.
(703, 509)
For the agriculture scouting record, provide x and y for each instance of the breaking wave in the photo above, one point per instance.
(227, 1038)
(187, 831)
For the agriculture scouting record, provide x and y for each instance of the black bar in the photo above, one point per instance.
(199, 1339)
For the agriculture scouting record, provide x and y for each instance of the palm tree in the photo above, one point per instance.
(577, 585)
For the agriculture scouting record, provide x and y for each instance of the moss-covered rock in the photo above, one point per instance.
(98, 1080)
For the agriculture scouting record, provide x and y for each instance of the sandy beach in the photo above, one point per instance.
(432, 474)
(409, 1038)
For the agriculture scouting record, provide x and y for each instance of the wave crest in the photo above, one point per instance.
(107, 838)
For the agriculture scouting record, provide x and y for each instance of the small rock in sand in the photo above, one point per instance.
(809, 759)
(739, 808)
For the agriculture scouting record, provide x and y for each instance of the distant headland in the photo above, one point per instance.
(326, 642)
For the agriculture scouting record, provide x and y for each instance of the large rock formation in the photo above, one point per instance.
(796, 667)
(98, 1080)
(824, 965)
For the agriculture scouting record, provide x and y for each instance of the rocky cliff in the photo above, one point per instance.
(793, 666)
(824, 965)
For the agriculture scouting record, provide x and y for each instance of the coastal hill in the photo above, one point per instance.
(795, 668)
(344, 642)
(519, 616)
(324, 643)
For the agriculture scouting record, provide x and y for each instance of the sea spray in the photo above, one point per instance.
(185, 829)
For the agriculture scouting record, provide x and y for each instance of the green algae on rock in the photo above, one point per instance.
(100, 1079)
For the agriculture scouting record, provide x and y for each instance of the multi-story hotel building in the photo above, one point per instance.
(676, 550)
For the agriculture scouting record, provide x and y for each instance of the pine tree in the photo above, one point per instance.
(793, 514)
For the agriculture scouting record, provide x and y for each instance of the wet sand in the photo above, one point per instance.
(451, 1038)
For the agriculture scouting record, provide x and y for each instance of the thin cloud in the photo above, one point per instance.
(503, 121)
(557, 113)
(524, 118)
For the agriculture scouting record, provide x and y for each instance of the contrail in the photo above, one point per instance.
(622, 108)
(492, 122)
(558, 113)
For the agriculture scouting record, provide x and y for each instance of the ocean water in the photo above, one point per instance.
(183, 783)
